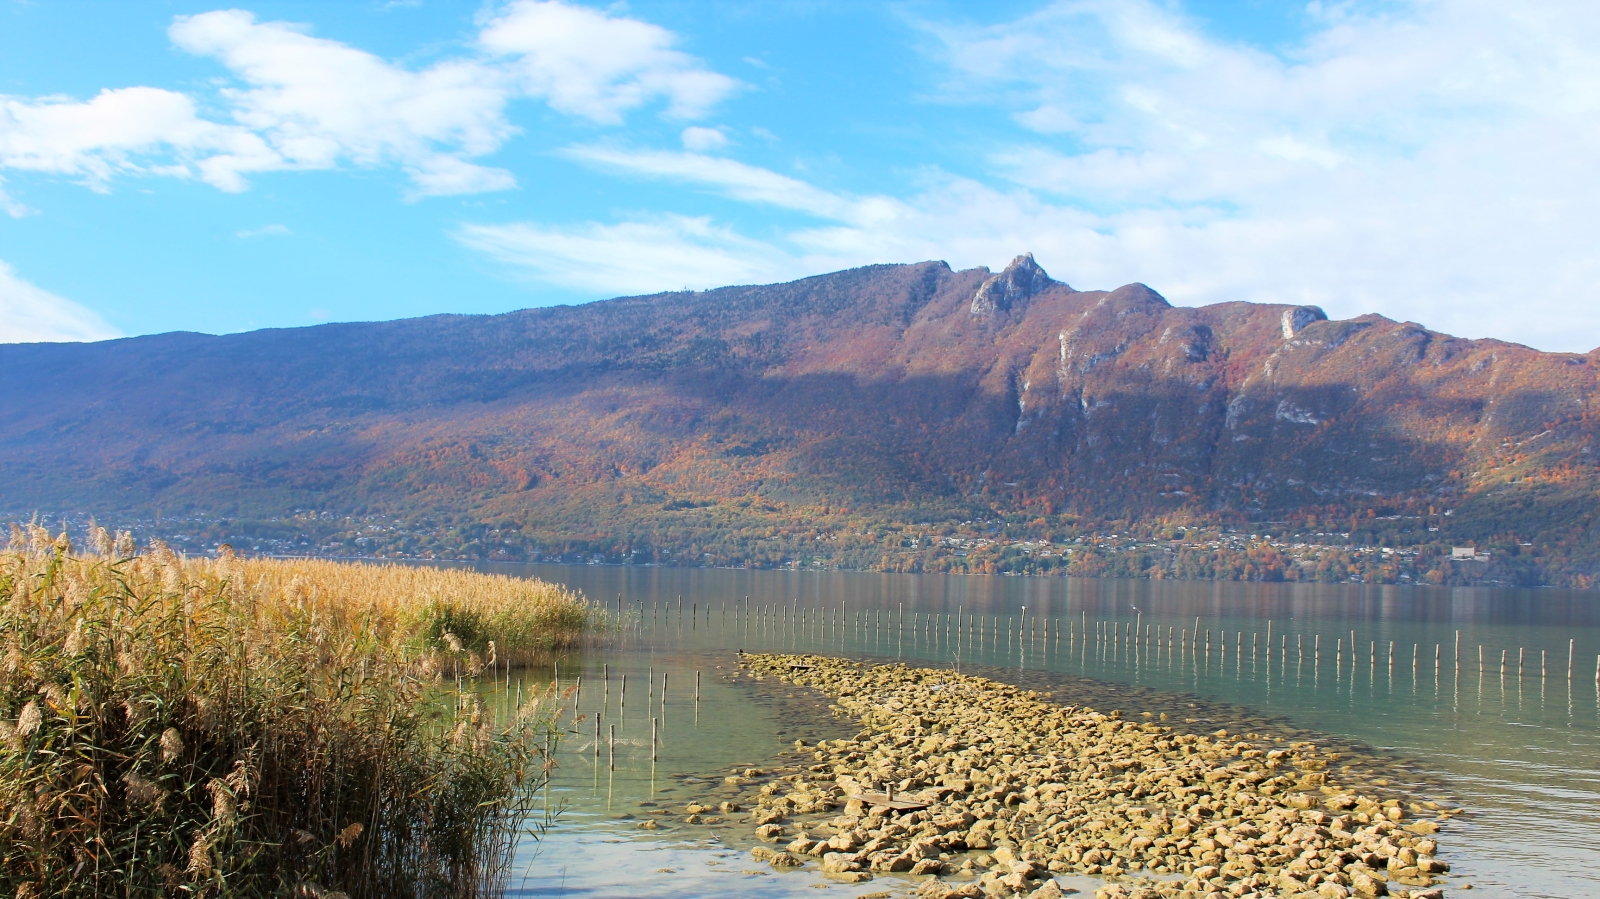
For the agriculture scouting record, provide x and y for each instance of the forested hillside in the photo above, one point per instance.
(898, 416)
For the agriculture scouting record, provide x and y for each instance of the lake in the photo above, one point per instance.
(1393, 672)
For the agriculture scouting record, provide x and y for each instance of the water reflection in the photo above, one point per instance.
(1496, 692)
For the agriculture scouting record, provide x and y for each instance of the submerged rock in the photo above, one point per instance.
(951, 768)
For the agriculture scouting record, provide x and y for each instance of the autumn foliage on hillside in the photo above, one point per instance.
(762, 425)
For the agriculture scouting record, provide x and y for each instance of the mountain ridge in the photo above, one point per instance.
(903, 393)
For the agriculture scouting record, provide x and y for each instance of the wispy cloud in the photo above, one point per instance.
(664, 253)
(263, 231)
(587, 63)
(699, 140)
(300, 102)
(1431, 162)
(29, 314)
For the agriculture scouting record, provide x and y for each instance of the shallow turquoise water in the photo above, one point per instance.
(1519, 747)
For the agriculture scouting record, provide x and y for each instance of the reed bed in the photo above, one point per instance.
(230, 727)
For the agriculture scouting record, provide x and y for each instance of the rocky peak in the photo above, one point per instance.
(1296, 318)
(1021, 281)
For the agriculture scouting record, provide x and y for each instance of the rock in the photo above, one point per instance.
(928, 866)
(892, 863)
(763, 853)
(1367, 886)
(769, 832)
(839, 862)
(1020, 281)
(1427, 894)
(1074, 790)
(1048, 890)
(1331, 890)
(786, 860)
(848, 876)
(938, 889)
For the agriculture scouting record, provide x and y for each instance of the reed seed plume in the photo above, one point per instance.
(237, 727)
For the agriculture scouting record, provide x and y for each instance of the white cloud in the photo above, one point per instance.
(728, 177)
(9, 205)
(1433, 163)
(263, 231)
(141, 130)
(301, 102)
(320, 103)
(31, 315)
(666, 253)
(584, 62)
(1428, 163)
(699, 140)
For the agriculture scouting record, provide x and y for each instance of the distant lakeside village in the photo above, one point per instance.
(1377, 554)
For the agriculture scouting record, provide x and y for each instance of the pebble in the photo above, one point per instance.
(1019, 788)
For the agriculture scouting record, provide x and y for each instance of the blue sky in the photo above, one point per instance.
(190, 166)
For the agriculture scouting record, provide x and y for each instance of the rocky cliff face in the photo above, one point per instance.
(896, 387)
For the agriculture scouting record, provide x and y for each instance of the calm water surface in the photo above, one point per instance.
(1519, 746)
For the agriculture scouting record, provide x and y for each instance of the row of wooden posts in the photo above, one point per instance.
(1130, 632)
(1115, 632)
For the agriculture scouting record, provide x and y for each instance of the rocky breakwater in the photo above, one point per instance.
(995, 789)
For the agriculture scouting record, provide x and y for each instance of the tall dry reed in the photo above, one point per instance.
(261, 728)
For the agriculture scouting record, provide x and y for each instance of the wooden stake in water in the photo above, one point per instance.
(697, 686)
(653, 721)
(611, 760)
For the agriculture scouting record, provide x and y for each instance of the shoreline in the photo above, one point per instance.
(1010, 802)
